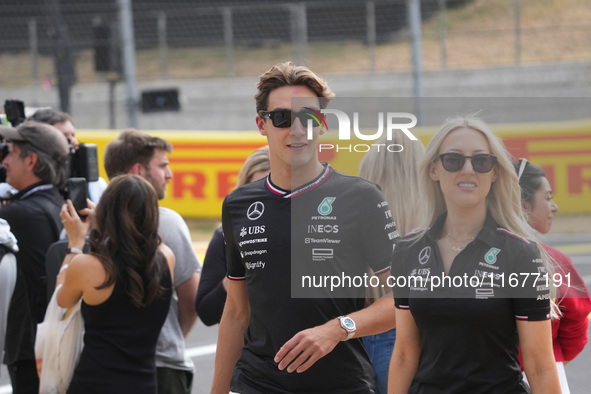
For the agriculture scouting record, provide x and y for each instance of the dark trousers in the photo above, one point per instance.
(174, 381)
(23, 376)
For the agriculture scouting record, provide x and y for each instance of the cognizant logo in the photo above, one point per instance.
(393, 124)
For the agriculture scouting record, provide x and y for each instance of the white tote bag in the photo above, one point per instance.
(59, 342)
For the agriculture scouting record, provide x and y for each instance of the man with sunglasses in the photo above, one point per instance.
(303, 218)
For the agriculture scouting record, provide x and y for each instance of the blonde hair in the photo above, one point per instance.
(504, 198)
(397, 173)
(257, 161)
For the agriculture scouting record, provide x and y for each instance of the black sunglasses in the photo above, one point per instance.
(454, 162)
(283, 118)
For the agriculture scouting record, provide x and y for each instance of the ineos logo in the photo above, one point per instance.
(424, 255)
(255, 210)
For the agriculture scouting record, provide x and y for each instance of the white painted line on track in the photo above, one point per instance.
(192, 352)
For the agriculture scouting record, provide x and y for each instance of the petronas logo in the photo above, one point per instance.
(325, 206)
(491, 256)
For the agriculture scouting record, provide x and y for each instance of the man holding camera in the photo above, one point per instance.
(64, 123)
(36, 167)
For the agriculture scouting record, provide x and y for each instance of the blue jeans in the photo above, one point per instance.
(379, 348)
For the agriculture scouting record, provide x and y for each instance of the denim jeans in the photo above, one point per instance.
(379, 348)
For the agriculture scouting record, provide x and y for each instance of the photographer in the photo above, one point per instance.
(36, 166)
(64, 123)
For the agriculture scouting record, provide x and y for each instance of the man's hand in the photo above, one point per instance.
(308, 346)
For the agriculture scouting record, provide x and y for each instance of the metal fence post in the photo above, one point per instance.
(517, 11)
(443, 32)
(228, 40)
(127, 38)
(371, 33)
(162, 45)
(34, 50)
(414, 18)
(299, 32)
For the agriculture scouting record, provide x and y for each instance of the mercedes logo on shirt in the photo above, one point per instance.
(255, 210)
(424, 255)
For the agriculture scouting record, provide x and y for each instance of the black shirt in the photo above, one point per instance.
(34, 220)
(119, 354)
(335, 224)
(211, 296)
(469, 340)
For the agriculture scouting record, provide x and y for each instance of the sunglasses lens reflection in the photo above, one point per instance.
(480, 163)
(285, 118)
(281, 119)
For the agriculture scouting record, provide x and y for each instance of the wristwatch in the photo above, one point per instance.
(348, 325)
(74, 250)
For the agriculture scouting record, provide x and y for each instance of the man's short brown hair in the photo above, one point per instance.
(131, 146)
(287, 74)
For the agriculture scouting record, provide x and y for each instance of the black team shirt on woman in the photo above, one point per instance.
(334, 225)
(469, 341)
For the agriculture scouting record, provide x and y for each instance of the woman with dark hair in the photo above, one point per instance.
(569, 332)
(125, 283)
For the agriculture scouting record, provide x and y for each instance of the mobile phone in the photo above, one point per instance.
(15, 111)
(77, 191)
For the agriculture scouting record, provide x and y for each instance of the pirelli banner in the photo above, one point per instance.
(206, 164)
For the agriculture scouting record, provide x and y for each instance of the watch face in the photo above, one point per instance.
(348, 323)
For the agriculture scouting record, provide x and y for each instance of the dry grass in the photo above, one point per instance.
(479, 34)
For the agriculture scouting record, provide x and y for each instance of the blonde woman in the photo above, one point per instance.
(462, 336)
(397, 175)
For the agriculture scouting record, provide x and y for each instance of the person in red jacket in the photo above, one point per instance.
(569, 332)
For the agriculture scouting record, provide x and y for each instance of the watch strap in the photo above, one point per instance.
(350, 331)
(74, 250)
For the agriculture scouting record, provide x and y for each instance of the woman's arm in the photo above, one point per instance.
(405, 358)
(71, 282)
(70, 276)
(535, 338)
(211, 296)
(170, 259)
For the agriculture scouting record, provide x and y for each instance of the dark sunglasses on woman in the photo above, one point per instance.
(454, 162)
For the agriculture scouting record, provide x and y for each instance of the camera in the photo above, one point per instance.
(82, 160)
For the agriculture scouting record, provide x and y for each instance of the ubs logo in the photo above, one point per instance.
(255, 210)
(424, 255)
(252, 230)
